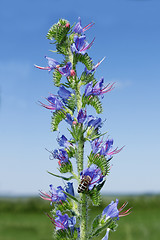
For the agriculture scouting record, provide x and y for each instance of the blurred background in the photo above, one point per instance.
(127, 32)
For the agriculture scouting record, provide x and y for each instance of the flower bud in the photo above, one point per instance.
(67, 25)
(72, 73)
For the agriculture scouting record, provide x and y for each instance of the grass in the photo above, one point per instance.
(25, 219)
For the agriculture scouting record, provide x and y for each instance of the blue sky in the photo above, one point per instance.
(127, 33)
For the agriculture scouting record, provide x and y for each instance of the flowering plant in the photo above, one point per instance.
(70, 213)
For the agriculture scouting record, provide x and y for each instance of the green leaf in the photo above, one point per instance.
(86, 78)
(94, 101)
(96, 222)
(57, 117)
(58, 31)
(62, 48)
(66, 167)
(71, 102)
(100, 161)
(72, 197)
(102, 228)
(57, 78)
(85, 59)
(64, 178)
(95, 196)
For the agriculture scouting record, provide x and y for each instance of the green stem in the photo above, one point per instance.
(83, 208)
(78, 96)
(84, 217)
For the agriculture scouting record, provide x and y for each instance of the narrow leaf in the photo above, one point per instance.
(64, 178)
(72, 197)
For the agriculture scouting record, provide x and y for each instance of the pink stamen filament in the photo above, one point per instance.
(43, 68)
(122, 214)
(99, 63)
(46, 106)
(88, 46)
(88, 26)
(123, 206)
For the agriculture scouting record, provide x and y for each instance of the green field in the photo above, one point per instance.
(25, 219)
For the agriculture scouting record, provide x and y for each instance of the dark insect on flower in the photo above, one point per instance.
(83, 186)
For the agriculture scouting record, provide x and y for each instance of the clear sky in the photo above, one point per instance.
(127, 32)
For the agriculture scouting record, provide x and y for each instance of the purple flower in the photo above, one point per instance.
(63, 222)
(98, 88)
(69, 189)
(63, 142)
(96, 145)
(106, 149)
(94, 122)
(80, 45)
(78, 28)
(69, 119)
(71, 223)
(89, 89)
(94, 68)
(64, 93)
(81, 116)
(111, 211)
(61, 155)
(66, 70)
(54, 103)
(55, 195)
(95, 173)
(52, 64)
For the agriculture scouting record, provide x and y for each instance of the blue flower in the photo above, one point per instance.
(61, 222)
(61, 155)
(89, 89)
(81, 116)
(71, 223)
(69, 119)
(66, 70)
(64, 93)
(95, 173)
(69, 189)
(96, 145)
(106, 149)
(94, 122)
(111, 211)
(55, 195)
(80, 45)
(78, 28)
(98, 88)
(52, 64)
(63, 142)
(54, 103)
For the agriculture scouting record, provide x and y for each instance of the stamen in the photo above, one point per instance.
(88, 46)
(88, 26)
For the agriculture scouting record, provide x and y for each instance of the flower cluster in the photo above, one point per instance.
(69, 105)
